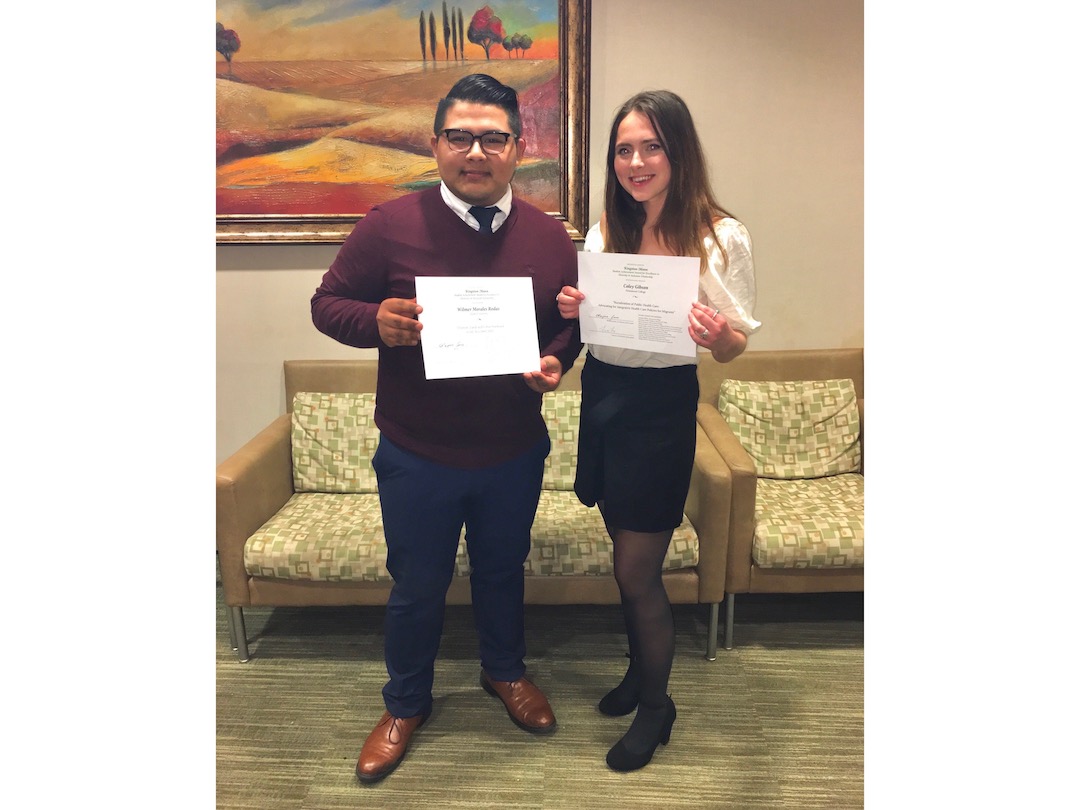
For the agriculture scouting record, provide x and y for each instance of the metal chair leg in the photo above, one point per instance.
(714, 621)
(237, 632)
(232, 628)
(729, 622)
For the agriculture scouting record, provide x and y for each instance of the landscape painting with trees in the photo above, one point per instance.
(325, 108)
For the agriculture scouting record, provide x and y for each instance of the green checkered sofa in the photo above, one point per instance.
(789, 425)
(299, 520)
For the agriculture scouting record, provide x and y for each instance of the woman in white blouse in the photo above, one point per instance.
(638, 414)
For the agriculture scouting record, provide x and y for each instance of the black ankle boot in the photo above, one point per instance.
(635, 750)
(623, 699)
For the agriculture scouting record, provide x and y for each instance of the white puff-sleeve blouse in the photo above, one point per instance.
(728, 288)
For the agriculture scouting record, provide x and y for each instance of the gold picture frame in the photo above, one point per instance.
(567, 198)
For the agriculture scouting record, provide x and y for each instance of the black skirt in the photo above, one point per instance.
(636, 443)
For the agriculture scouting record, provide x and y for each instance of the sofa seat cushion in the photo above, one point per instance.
(320, 536)
(810, 523)
(338, 537)
(570, 538)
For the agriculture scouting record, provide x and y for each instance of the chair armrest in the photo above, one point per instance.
(708, 505)
(862, 434)
(743, 495)
(252, 485)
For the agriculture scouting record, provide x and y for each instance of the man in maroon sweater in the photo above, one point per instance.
(454, 452)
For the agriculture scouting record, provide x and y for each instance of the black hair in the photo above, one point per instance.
(480, 88)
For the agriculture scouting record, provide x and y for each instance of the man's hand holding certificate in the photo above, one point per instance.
(638, 302)
(477, 326)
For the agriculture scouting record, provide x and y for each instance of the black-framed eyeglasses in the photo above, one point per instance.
(461, 140)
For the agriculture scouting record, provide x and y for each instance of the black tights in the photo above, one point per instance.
(650, 627)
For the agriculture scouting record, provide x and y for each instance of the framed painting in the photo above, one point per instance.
(325, 108)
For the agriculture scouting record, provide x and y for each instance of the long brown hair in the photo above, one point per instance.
(689, 206)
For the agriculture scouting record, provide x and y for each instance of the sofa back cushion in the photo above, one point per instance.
(333, 439)
(561, 410)
(798, 429)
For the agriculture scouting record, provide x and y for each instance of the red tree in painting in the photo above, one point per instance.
(485, 29)
(228, 43)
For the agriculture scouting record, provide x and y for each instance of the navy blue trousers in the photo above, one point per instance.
(424, 506)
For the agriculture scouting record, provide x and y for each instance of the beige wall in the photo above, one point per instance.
(776, 89)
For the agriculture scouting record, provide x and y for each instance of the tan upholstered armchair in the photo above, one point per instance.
(298, 519)
(795, 454)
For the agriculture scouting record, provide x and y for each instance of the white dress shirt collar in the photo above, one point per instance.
(461, 208)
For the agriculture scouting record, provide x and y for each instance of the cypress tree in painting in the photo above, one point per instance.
(423, 38)
(461, 32)
(434, 37)
(453, 32)
(445, 31)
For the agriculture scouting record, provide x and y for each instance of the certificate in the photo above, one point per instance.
(638, 302)
(477, 327)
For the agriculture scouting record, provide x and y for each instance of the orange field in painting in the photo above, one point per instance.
(335, 138)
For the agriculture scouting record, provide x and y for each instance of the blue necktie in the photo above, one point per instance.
(484, 216)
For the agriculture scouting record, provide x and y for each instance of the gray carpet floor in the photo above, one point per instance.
(776, 722)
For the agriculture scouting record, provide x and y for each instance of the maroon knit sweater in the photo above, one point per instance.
(471, 422)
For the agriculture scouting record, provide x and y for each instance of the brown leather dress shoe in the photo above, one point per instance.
(385, 746)
(524, 702)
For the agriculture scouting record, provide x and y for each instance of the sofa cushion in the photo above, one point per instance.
(810, 523)
(321, 536)
(561, 410)
(338, 538)
(333, 439)
(799, 429)
(570, 538)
